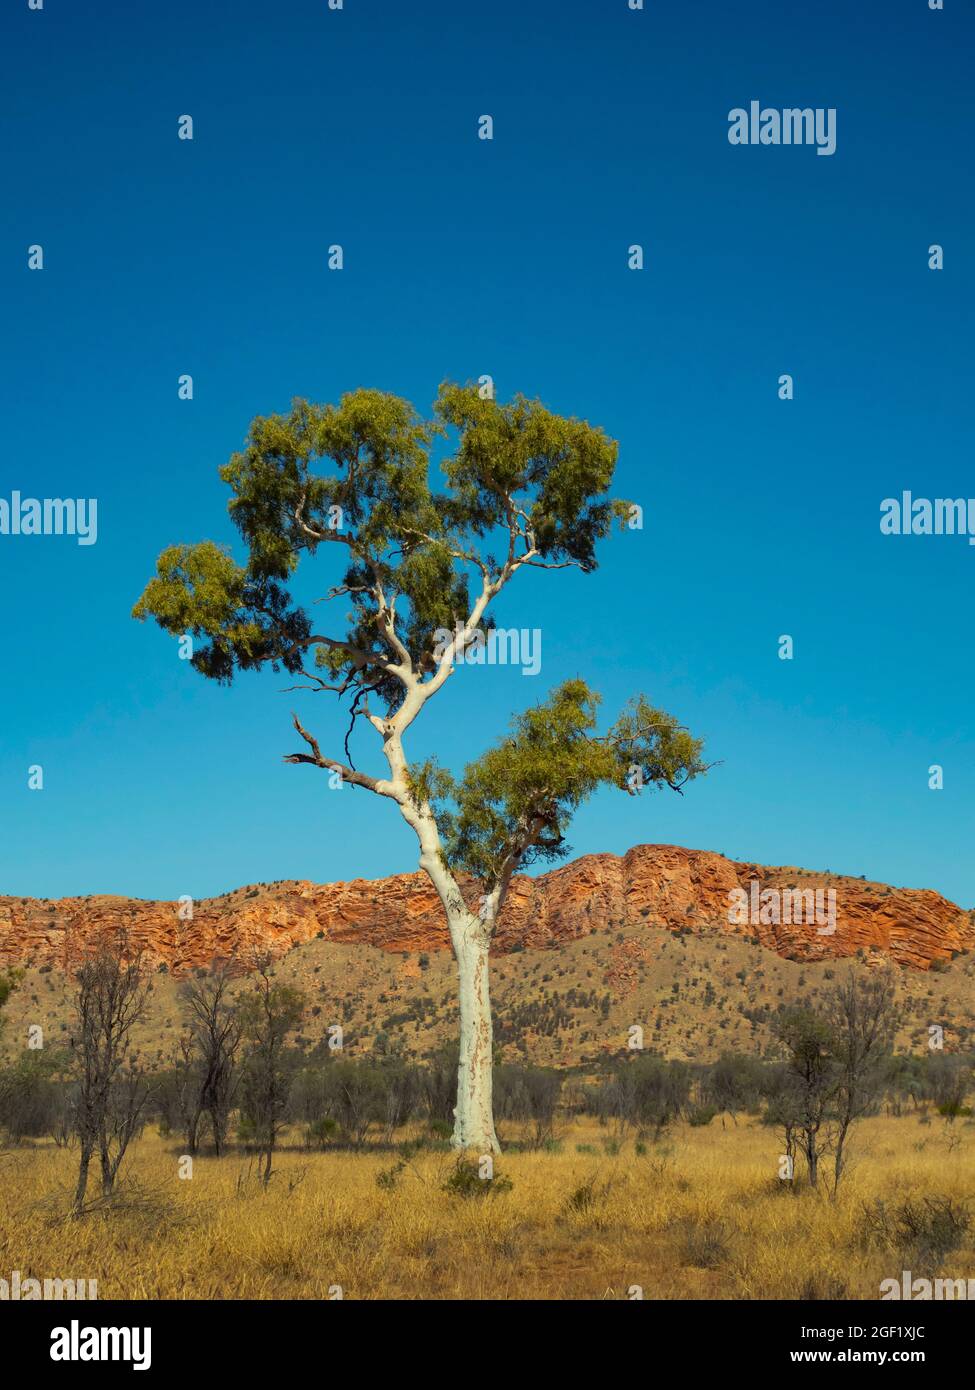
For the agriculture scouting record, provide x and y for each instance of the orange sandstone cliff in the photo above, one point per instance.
(659, 887)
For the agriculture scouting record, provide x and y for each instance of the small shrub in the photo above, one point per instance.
(465, 1180)
(701, 1115)
(704, 1243)
(926, 1228)
(320, 1131)
(388, 1178)
(586, 1197)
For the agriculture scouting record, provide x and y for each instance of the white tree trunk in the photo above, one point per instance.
(474, 1115)
(470, 937)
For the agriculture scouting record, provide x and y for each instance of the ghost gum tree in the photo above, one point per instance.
(422, 559)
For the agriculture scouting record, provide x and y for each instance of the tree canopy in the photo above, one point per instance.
(514, 803)
(358, 475)
(519, 487)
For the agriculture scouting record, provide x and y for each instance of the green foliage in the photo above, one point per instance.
(373, 449)
(699, 1116)
(644, 1091)
(360, 476)
(320, 1131)
(9, 980)
(464, 1180)
(652, 749)
(808, 1039)
(527, 787)
(562, 466)
(429, 783)
(199, 590)
(30, 1094)
(388, 1178)
(590, 1193)
(268, 1014)
(515, 802)
(953, 1110)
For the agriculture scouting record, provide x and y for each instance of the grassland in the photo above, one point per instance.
(701, 1214)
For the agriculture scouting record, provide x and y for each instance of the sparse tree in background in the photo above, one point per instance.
(9, 980)
(360, 1099)
(734, 1083)
(178, 1095)
(112, 1091)
(401, 1087)
(803, 1107)
(269, 1012)
(523, 489)
(311, 1098)
(61, 1117)
(947, 1081)
(533, 1094)
(782, 1110)
(439, 1082)
(862, 1014)
(8, 983)
(903, 1079)
(646, 1092)
(30, 1095)
(211, 1057)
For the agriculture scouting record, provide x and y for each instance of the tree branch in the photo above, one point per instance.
(348, 774)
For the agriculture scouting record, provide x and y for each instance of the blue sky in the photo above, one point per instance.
(507, 257)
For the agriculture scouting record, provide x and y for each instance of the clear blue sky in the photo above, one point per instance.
(509, 257)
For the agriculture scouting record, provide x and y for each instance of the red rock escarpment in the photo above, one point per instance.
(656, 886)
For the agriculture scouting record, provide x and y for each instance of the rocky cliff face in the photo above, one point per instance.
(662, 886)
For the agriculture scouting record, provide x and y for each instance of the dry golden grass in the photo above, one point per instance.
(700, 1215)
